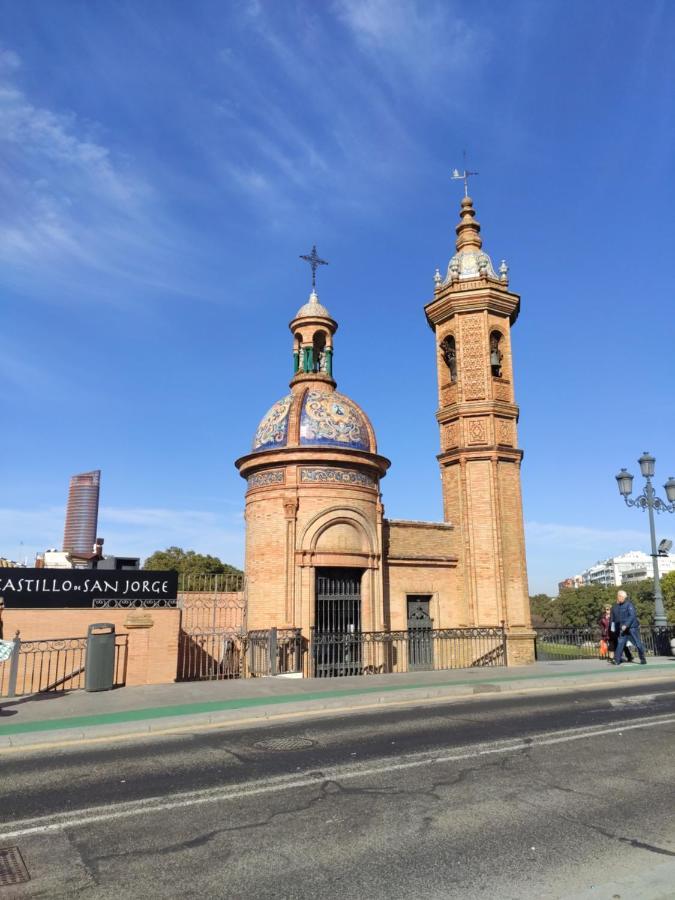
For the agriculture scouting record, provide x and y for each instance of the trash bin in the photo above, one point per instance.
(99, 670)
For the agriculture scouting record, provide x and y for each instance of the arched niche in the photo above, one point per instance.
(354, 527)
(496, 353)
(448, 349)
(341, 537)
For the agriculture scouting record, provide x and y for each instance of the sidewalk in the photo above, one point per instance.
(76, 716)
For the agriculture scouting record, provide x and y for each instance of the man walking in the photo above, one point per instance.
(626, 625)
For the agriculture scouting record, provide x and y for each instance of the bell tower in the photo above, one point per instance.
(471, 314)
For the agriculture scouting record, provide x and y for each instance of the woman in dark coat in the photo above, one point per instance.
(605, 634)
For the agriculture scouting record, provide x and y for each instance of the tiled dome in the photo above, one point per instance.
(273, 429)
(327, 418)
(331, 418)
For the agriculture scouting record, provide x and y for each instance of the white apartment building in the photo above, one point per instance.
(629, 567)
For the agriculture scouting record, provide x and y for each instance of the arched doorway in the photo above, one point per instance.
(336, 635)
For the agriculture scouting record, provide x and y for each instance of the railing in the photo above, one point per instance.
(212, 602)
(335, 654)
(208, 655)
(206, 583)
(570, 643)
(53, 664)
(274, 651)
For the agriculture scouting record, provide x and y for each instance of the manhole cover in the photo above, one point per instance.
(12, 867)
(287, 743)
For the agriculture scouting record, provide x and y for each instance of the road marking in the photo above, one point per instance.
(151, 805)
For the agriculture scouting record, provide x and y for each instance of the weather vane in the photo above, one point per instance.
(315, 261)
(463, 176)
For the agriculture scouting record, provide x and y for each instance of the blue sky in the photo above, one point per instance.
(163, 164)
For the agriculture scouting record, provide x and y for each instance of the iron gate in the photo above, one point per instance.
(420, 642)
(213, 627)
(335, 635)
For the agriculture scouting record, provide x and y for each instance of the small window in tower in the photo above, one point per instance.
(449, 351)
(297, 354)
(496, 354)
(319, 343)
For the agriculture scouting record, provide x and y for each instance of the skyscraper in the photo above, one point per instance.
(82, 514)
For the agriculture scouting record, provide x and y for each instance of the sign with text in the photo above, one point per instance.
(81, 587)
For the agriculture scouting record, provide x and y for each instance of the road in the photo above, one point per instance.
(547, 796)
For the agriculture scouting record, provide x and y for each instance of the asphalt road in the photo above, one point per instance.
(546, 796)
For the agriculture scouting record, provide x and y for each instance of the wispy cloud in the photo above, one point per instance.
(56, 178)
(416, 42)
(75, 215)
(332, 119)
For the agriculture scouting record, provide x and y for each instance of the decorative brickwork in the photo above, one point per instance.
(337, 476)
(476, 431)
(473, 357)
(501, 390)
(505, 432)
(451, 435)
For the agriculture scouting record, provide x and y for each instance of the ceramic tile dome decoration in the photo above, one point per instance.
(273, 429)
(331, 418)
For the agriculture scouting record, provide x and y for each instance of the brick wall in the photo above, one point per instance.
(436, 581)
(419, 540)
(152, 651)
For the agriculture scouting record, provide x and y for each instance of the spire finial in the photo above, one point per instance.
(315, 261)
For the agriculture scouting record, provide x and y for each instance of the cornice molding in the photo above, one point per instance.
(321, 456)
(466, 454)
(477, 408)
(471, 297)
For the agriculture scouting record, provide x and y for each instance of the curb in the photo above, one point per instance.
(36, 735)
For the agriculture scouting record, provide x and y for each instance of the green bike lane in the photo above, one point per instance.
(81, 715)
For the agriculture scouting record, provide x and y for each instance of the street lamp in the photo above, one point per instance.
(649, 501)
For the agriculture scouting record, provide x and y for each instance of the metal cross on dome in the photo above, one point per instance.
(315, 261)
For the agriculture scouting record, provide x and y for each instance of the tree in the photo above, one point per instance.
(642, 595)
(583, 606)
(668, 588)
(544, 610)
(187, 562)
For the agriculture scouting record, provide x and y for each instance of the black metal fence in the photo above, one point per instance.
(209, 654)
(53, 664)
(274, 651)
(334, 654)
(570, 643)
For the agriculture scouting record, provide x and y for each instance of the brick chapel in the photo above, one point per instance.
(316, 532)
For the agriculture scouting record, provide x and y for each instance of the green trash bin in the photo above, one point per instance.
(99, 670)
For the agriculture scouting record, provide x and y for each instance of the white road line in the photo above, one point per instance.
(151, 805)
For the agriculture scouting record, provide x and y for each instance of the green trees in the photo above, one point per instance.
(187, 562)
(668, 588)
(583, 606)
(544, 610)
